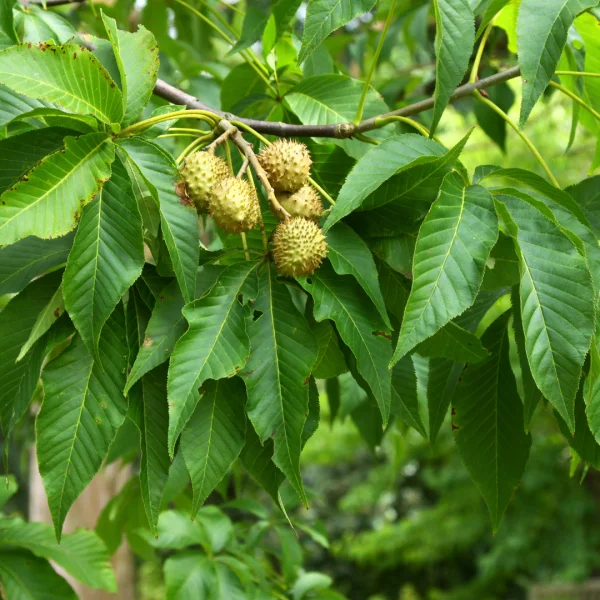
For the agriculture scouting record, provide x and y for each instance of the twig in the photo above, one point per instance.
(243, 167)
(222, 138)
(238, 139)
(339, 130)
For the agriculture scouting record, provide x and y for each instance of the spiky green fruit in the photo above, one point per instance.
(303, 203)
(287, 164)
(201, 172)
(233, 204)
(299, 247)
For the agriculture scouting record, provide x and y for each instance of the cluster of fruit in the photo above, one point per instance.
(299, 245)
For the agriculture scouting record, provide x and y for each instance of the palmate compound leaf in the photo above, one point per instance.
(137, 60)
(68, 75)
(178, 218)
(47, 201)
(454, 38)
(106, 258)
(81, 554)
(341, 299)
(453, 246)
(283, 351)
(215, 345)
(82, 410)
(488, 424)
(542, 29)
(557, 302)
(149, 411)
(214, 436)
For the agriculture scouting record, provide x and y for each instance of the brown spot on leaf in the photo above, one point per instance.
(387, 336)
(56, 313)
(182, 193)
(148, 341)
(455, 427)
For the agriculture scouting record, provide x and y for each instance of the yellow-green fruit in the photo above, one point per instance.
(233, 204)
(303, 203)
(299, 247)
(287, 165)
(201, 172)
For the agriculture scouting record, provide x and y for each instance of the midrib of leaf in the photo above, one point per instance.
(210, 430)
(441, 269)
(545, 44)
(58, 183)
(356, 327)
(280, 394)
(16, 578)
(66, 472)
(62, 91)
(524, 261)
(327, 108)
(218, 334)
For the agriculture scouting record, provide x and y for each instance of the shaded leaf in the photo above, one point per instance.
(339, 298)
(488, 424)
(405, 403)
(455, 343)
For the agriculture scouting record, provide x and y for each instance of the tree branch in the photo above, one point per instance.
(340, 130)
(50, 3)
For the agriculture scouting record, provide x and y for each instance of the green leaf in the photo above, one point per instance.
(330, 360)
(587, 195)
(8, 35)
(454, 38)
(325, 16)
(54, 74)
(557, 303)
(137, 59)
(28, 259)
(349, 255)
(542, 28)
(583, 440)
(178, 218)
(405, 403)
(442, 379)
(189, 576)
(257, 460)
(391, 157)
(215, 345)
(214, 436)
(255, 21)
(165, 327)
(40, 25)
(339, 298)
(491, 10)
(330, 166)
(283, 351)
(488, 424)
(19, 380)
(530, 393)
(332, 99)
(47, 317)
(47, 201)
(19, 153)
(13, 105)
(25, 577)
(453, 342)
(81, 554)
(82, 410)
(149, 411)
(452, 248)
(106, 258)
